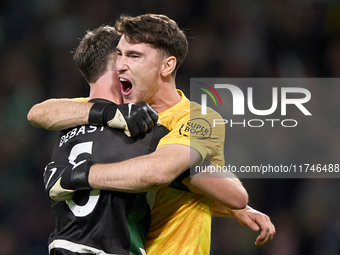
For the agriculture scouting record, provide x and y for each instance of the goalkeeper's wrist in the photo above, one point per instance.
(97, 113)
(78, 177)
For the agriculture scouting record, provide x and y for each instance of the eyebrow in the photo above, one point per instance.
(131, 52)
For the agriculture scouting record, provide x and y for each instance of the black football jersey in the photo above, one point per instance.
(99, 221)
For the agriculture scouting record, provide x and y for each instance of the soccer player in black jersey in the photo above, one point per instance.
(97, 221)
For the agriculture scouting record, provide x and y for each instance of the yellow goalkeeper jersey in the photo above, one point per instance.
(181, 220)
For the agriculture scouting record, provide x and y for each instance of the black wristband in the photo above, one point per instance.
(96, 113)
(80, 176)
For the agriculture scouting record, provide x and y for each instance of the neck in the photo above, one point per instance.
(106, 87)
(166, 97)
(104, 93)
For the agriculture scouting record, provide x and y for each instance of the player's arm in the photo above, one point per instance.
(58, 114)
(139, 174)
(160, 168)
(154, 171)
(144, 173)
(225, 188)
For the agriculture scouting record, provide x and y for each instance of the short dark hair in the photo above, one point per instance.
(93, 52)
(158, 30)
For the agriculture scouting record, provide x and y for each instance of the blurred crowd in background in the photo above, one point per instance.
(276, 38)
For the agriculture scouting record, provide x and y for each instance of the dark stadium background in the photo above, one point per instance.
(278, 38)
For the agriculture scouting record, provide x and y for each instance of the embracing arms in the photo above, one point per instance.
(130, 176)
(161, 167)
(58, 114)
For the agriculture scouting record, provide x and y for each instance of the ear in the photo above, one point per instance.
(168, 66)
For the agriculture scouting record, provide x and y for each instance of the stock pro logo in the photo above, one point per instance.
(239, 101)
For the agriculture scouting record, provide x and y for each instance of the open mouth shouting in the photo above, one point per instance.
(126, 86)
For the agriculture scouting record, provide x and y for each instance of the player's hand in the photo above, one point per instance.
(256, 220)
(58, 193)
(73, 178)
(135, 119)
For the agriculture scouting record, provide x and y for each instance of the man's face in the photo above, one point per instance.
(138, 66)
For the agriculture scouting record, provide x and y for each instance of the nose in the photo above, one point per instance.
(121, 65)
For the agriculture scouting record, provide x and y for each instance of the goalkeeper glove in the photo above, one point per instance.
(73, 178)
(134, 118)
